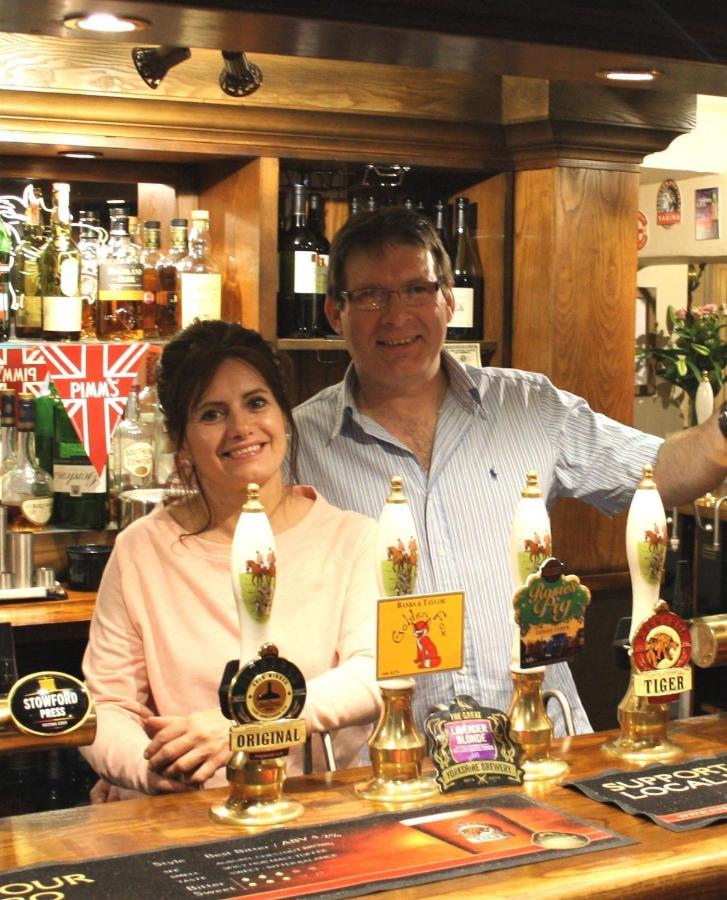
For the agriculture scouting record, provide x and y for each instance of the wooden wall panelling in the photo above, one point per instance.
(492, 236)
(242, 199)
(157, 201)
(574, 276)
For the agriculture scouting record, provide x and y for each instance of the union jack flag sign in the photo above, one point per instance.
(94, 382)
(24, 369)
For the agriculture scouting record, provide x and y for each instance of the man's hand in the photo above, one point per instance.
(186, 750)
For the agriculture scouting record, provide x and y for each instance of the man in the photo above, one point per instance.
(463, 440)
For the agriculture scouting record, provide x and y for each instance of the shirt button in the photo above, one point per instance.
(442, 552)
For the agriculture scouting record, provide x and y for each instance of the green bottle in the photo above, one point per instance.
(45, 407)
(6, 252)
(80, 493)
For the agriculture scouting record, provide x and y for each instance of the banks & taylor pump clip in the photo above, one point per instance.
(396, 747)
(660, 643)
(530, 725)
(262, 692)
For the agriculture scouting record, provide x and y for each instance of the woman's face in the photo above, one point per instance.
(236, 433)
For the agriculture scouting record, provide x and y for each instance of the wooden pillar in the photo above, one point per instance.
(575, 261)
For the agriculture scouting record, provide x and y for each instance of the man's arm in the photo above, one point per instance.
(691, 463)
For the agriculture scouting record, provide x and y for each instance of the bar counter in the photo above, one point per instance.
(662, 863)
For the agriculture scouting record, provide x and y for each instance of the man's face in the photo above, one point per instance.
(396, 347)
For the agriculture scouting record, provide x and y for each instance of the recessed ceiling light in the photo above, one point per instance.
(80, 154)
(106, 22)
(633, 75)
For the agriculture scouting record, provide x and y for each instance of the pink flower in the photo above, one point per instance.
(681, 314)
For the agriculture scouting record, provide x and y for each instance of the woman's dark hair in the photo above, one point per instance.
(189, 362)
(372, 231)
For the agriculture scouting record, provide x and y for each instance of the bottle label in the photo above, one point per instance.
(89, 278)
(62, 313)
(201, 296)
(37, 510)
(29, 312)
(463, 307)
(304, 271)
(69, 274)
(137, 459)
(322, 273)
(120, 281)
(77, 480)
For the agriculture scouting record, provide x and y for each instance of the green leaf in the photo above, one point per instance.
(681, 366)
(701, 349)
(671, 317)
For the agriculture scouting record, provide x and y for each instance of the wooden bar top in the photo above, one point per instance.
(78, 608)
(662, 863)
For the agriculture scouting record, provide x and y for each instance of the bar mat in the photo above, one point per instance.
(335, 860)
(679, 796)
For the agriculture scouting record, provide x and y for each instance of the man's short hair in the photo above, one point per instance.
(373, 231)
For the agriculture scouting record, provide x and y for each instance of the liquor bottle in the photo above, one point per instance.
(79, 493)
(7, 431)
(45, 408)
(119, 309)
(199, 275)
(440, 223)
(152, 261)
(6, 253)
(60, 274)
(133, 453)
(299, 305)
(135, 232)
(316, 220)
(27, 490)
(469, 284)
(26, 272)
(167, 302)
(89, 245)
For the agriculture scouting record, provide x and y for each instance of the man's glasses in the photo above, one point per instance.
(375, 298)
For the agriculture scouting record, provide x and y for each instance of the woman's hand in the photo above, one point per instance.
(187, 750)
(104, 792)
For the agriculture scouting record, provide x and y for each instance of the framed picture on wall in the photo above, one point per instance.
(706, 214)
(644, 376)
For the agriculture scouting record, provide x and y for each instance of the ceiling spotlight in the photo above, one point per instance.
(633, 75)
(153, 64)
(80, 154)
(105, 22)
(239, 77)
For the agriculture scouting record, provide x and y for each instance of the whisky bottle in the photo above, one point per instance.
(199, 275)
(119, 315)
(26, 272)
(79, 493)
(89, 245)
(167, 305)
(27, 490)
(152, 261)
(60, 274)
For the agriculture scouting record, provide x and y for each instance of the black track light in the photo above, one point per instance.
(239, 77)
(154, 63)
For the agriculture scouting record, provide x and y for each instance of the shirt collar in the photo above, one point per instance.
(462, 388)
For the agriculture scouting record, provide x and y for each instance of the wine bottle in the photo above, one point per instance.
(26, 273)
(60, 274)
(6, 253)
(7, 431)
(27, 490)
(299, 305)
(45, 408)
(79, 492)
(440, 223)
(119, 315)
(469, 285)
(200, 280)
(316, 220)
(89, 246)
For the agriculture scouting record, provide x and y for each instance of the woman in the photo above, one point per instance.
(165, 621)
